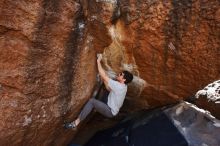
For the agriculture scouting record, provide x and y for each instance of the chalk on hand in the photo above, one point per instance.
(99, 55)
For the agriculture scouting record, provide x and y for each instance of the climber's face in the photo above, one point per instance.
(120, 77)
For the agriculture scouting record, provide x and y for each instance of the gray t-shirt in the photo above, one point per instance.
(116, 96)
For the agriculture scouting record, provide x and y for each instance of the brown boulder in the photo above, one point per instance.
(47, 71)
(48, 58)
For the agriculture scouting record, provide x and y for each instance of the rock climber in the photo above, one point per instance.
(117, 92)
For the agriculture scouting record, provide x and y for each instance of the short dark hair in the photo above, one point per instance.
(128, 76)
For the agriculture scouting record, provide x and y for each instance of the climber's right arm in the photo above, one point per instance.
(102, 73)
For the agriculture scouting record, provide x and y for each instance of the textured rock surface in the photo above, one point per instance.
(47, 59)
(47, 70)
(172, 45)
(183, 124)
(209, 98)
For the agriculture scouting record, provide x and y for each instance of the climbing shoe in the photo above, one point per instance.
(71, 125)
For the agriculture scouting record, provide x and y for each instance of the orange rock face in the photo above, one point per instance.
(47, 70)
(48, 58)
(171, 46)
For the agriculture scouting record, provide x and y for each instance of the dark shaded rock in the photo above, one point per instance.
(183, 124)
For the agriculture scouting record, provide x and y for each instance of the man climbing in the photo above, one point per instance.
(117, 92)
